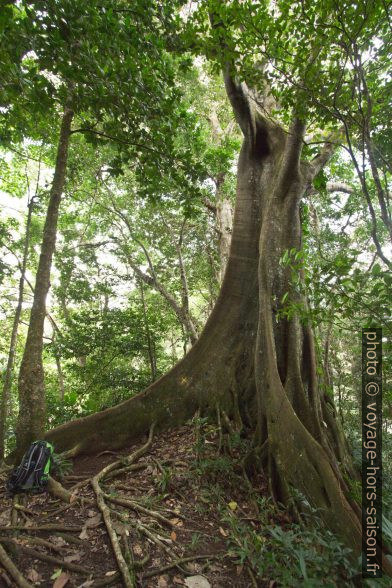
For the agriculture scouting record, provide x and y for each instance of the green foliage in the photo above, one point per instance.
(291, 555)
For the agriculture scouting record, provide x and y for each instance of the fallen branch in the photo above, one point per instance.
(13, 571)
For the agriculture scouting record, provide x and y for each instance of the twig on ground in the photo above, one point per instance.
(13, 571)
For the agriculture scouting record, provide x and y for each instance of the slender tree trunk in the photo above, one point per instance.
(32, 403)
(60, 378)
(150, 346)
(6, 396)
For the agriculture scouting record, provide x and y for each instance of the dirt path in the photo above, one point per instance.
(177, 505)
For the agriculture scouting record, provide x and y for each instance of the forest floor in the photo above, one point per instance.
(178, 514)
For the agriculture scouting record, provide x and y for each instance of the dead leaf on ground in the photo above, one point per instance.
(33, 575)
(162, 582)
(111, 573)
(173, 535)
(83, 535)
(137, 550)
(61, 581)
(73, 557)
(93, 522)
(223, 532)
(197, 582)
(57, 541)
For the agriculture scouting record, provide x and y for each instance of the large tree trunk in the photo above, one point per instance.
(32, 405)
(261, 370)
(6, 396)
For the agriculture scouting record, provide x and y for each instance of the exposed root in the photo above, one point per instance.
(138, 507)
(25, 510)
(41, 542)
(58, 491)
(131, 468)
(49, 558)
(73, 452)
(13, 571)
(122, 564)
(41, 528)
(155, 539)
(125, 568)
(6, 578)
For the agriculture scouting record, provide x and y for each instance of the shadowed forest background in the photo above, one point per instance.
(195, 227)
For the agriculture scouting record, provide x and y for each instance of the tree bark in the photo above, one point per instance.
(32, 404)
(5, 399)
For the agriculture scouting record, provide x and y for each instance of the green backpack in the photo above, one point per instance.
(32, 474)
